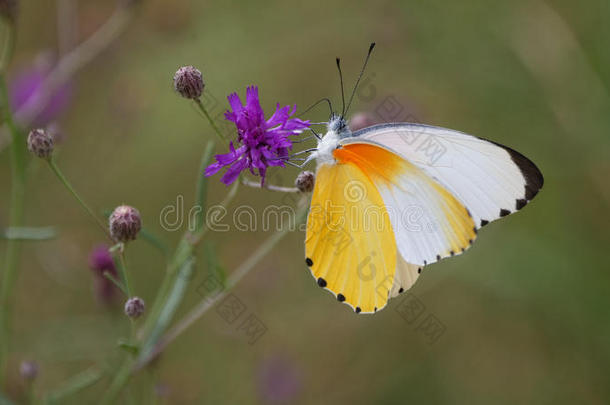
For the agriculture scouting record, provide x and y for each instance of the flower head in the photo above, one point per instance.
(8, 9)
(27, 90)
(28, 370)
(188, 81)
(305, 181)
(260, 143)
(134, 307)
(100, 261)
(40, 143)
(124, 223)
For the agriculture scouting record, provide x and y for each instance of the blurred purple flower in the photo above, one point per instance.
(100, 261)
(263, 142)
(279, 381)
(26, 89)
(361, 120)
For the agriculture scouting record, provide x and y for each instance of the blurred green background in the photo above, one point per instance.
(525, 311)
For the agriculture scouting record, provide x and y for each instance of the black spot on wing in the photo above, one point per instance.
(504, 212)
(321, 282)
(309, 262)
(340, 297)
(438, 257)
(419, 271)
(401, 290)
(484, 222)
(358, 310)
(520, 204)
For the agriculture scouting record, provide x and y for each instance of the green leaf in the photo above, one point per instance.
(154, 241)
(174, 298)
(29, 233)
(73, 385)
(128, 347)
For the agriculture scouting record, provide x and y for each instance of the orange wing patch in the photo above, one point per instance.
(449, 228)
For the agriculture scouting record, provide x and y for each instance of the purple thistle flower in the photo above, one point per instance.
(26, 89)
(279, 381)
(261, 143)
(100, 261)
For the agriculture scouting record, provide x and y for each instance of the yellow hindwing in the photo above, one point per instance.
(350, 246)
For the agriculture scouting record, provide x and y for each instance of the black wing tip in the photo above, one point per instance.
(534, 180)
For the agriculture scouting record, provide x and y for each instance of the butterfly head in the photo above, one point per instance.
(338, 125)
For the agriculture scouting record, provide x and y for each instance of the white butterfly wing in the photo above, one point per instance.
(491, 180)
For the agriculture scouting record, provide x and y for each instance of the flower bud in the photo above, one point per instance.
(125, 223)
(188, 81)
(305, 181)
(28, 370)
(40, 143)
(8, 9)
(134, 307)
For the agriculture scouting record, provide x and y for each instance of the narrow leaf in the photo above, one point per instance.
(29, 233)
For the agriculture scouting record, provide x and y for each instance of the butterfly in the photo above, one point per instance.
(393, 198)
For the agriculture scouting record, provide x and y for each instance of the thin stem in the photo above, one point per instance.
(75, 60)
(202, 186)
(207, 302)
(9, 45)
(16, 220)
(72, 191)
(116, 282)
(202, 108)
(198, 236)
(270, 187)
(74, 384)
(71, 63)
(123, 268)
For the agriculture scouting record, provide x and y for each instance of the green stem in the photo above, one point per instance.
(11, 259)
(123, 267)
(116, 282)
(210, 120)
(72, 191)
(207, 302)
(9, 46)
(202, 185)
(73, 385)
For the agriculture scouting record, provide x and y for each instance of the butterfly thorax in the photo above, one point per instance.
(337, 129)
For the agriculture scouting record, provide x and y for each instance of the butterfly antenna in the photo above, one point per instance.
(366, 61)
(342, 92)
(316, 103)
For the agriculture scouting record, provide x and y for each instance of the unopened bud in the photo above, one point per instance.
(40, 143)
(188, 81)
(28, 370)
(305, 181)
(8, 9)
(124, 223)
(134, 307)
